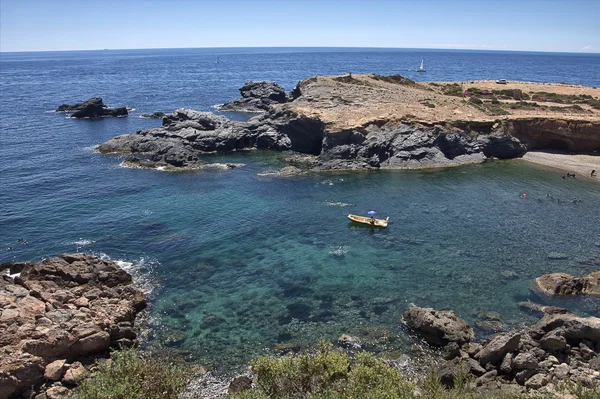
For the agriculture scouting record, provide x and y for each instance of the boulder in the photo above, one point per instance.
(563, 284)
(54, 371)
(497, 347)
(75, 374)
(92, 108)
(537, 381)
(438, 328)
(525, 360)
(574, 328)
(58, 392)
(554, 341)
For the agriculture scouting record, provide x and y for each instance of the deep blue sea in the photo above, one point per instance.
(237, 262)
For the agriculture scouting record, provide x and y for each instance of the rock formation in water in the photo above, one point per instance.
(91, 109)
(563, 284)
(560, 346)
(57, 312)
(359, 123)
(257, 97)
(154, 115)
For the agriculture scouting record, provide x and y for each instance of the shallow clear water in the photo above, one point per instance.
(241, 262)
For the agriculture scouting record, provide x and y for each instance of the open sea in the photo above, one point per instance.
(236, 263)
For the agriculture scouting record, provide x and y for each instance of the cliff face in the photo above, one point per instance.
(556, 134)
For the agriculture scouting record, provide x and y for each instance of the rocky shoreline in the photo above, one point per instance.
(310, 120)
(57, 316)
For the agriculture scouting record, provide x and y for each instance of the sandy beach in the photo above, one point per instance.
(581, 165)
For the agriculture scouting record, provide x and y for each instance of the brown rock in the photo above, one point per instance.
(81, 302)
(54, 371)
(75, 374)
(58, 393)
(564, 284)
(98, 342)
(45, 315)
(437, 327)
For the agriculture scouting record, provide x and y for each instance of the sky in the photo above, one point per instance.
(533, 25)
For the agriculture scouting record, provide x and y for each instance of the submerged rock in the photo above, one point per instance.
(92, 108)
(437, 327)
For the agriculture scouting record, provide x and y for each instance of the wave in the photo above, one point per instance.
(142, 271)
(82, 242)
(338, 250)
(340, 204)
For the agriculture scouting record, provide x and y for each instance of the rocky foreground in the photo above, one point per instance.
(561, 347)
(372, 121)
(56, 315)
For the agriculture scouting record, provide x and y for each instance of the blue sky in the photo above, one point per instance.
(539, 25)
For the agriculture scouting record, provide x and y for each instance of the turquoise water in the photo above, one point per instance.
(238, 262)
(267, 251)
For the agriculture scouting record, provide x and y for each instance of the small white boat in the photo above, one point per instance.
(370, 221)
(422, 67)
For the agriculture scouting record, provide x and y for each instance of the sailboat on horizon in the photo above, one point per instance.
(422, 67)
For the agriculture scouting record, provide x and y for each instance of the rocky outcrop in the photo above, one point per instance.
(257, 97)
(558, 347)
(57, 311)
(437, 327)
(186, 135)
(563, 284)
(91, 109)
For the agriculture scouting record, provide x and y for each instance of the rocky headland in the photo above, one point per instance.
(92, 109)
(57, 315)
(373, 121)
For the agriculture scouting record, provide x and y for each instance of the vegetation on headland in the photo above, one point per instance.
(397, 79)
(128, 374)
(322, 373)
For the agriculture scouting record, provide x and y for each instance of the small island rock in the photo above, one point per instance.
(91, 109)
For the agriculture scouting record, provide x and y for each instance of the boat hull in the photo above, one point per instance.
(369, 221)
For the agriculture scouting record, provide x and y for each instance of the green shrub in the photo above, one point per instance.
(348, 79)
(453, 89)
(328, 374)
(130, 375)
(397, 79)
(475, 100)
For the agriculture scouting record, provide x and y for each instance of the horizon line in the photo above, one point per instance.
(304, 47)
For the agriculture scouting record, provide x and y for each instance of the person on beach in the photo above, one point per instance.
(593, 174)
